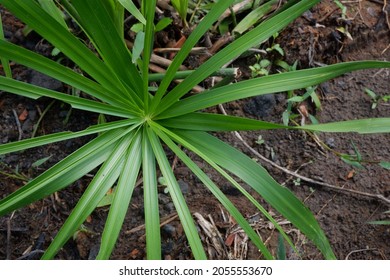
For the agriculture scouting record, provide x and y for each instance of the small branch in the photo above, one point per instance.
(163, 61)
(196, 50)
(230, 72)
(358, 251)
(29, 255)
(167, 220)
(295, 174)
(18, 124)
(158, 69)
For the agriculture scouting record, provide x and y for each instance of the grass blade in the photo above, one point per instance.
(177, 198)
(101, 183)
(152, 216)
(267, 84)
(257, 35)
(363, 126)
(61, 136)
(59, 72)
(132, 9)
(185, 50)
(254, 16)
(258, 178)
(35, 92)
(100, 26)
(34, 16)
(121, 200)
(149, 9)
(216, 122)
(50, 7)
(216, 192)
(63, 173)
(4, 61)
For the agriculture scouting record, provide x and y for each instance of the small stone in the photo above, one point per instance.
(183, 186)
(170, 207)
(330, 142)
(42, 80)
(260, 106)
(169, 230)
(163, 199)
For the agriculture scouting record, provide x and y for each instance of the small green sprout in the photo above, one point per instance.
(375, 99)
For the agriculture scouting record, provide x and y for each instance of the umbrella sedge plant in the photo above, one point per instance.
(147, 121)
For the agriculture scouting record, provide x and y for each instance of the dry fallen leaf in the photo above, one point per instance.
(23, 116)
(350, 174)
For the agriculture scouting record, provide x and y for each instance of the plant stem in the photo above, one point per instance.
(227, 72)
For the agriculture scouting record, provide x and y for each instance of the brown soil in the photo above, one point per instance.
(344, 216)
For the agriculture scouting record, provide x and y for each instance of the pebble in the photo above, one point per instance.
(169, 230)
(39, 79)
(170, 207)
(260, 106)
(163, 199)
(183, 186)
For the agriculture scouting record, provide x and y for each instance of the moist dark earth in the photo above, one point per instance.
(312, 40)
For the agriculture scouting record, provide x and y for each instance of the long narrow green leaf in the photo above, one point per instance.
(268, 84)
(258, 178)
(177, 198)
(254, 16)
(152, 216)
(59, 72)
(50, 7)
(35, 92)
(216, 192)
(195, 36)
(101, 183)
(231, 180)
(216, 122)
(63, 173)
(33, 15)
(132, 9)
(377, 125)
(61, 136)
(4, 61)
(149, 8)
(96, 20)
(257, 35)
(121, 200)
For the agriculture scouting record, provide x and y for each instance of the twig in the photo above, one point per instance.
(196, 50)
(158, 69)
(167, 220)
(162, 61)
(384, 10)
(32, 253)
(388, 46)
(360, 250)
(295, 174)
(216, 46)
(8, 247)
(18, 124)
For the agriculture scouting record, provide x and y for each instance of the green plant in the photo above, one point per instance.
(181, 7)
(133, 145)
(261, 67)
(375, 99)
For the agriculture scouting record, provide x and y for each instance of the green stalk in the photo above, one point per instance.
(224, 72)
(4, 62)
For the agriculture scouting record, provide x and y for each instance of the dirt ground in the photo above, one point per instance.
(312, 40)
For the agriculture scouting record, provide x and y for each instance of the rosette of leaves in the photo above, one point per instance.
(149, 120)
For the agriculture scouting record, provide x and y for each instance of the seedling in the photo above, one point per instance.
(376, 99)
(261, 67)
